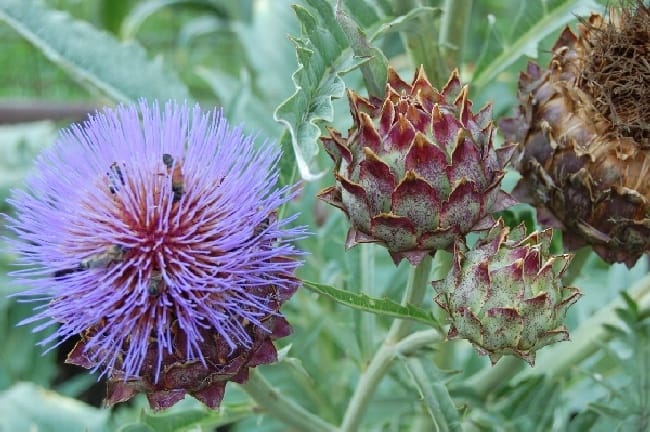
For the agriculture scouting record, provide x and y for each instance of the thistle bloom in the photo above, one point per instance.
(152, 233)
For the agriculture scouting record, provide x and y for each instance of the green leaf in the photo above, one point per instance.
(287, 163)
(422, 41)
(363, 12)
(119, 70)
(112, 13)
(143, 10)
(631, 304)
(322, 52)
(374, 70)
(406, 23)
(363, 302)
(430, 383)
(19, 145)
(187, 418)
(26, 407)
(543, 18)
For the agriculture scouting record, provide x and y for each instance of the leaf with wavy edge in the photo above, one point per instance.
(323, 54)
(385, 306)
(121, 71)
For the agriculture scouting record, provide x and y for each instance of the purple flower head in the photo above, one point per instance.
(153, 234)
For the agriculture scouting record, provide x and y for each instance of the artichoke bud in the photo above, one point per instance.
(418, 169)
(583, 135)
(505, 295)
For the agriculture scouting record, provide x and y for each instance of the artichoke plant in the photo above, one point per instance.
(418, 168)
(583, 135)
(506, 295)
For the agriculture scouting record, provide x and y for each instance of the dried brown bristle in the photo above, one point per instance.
(617, 73)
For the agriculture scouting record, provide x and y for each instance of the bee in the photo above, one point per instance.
(168, 160)
(113, 254)
(64, 272)
(115, 177)
(264, 224)
(178, 185)
(156, 284)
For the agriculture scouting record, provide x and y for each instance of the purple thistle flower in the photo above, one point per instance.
(153, 235)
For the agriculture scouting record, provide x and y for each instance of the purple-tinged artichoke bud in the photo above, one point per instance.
(506, 295)
(153, 234)
(583, 129)
(418, 169)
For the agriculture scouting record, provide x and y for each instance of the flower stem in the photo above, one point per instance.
(416, 287)
(453, 28)
(378, 366)
(492, 378)
(368, 320)
(422, 43)
(282, 408)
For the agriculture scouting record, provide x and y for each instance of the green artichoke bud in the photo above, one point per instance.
(506, 296)
(418, 169)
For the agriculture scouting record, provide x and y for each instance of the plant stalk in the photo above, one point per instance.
(453, 29)
(422, 44)
(367, 320)
(380, 363)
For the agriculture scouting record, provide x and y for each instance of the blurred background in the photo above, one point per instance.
(239, 55)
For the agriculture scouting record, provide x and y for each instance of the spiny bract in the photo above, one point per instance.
(506, 296)
(583, 130)
(418, 169)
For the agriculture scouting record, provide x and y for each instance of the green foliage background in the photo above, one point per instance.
(281, 66)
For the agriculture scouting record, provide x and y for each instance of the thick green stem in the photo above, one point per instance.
(422, 44)
(282, 408)
(492, 378)
(377, 369)
(453, 29)
(416, 288)
(417, 285)
(368, 320)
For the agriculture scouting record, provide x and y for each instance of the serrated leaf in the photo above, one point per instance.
(366, 303)
(26, 407)
(122, 71)
(545, 18)
(322, 52)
